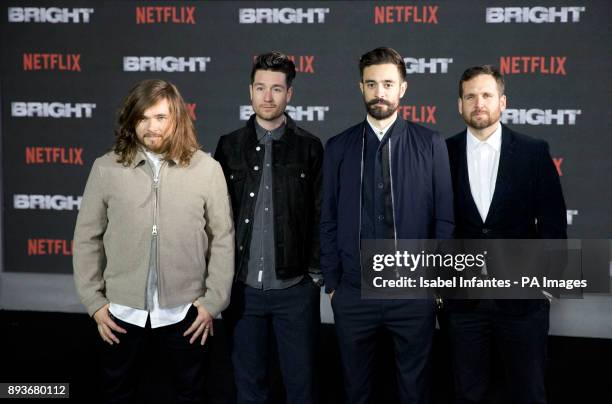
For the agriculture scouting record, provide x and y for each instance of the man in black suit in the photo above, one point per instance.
(506, 187)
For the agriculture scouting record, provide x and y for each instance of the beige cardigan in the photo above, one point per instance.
(195, 232)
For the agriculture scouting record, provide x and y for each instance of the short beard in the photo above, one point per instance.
(472, 122)
(380, 113)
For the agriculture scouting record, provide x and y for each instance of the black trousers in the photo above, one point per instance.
(521, 341)
(293, 316)
(121, 371)
(411, 325)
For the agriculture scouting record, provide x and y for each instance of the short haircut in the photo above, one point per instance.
(276, 62)
(474, 71)
(380, 56)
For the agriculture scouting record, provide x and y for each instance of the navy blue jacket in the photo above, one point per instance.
(527, 202)
(421, 187)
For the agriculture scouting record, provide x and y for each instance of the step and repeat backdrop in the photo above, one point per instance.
(66, 65)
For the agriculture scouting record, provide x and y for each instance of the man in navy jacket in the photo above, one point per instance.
(506, 187)
(384, 178)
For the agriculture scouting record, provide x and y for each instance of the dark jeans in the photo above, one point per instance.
(411, 325)
(521, 340)
(121, 372)
(292, 314)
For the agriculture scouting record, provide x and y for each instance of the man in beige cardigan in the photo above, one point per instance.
(154, 242)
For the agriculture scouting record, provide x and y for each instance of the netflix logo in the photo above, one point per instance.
(52, 61)
(405, 14)
(54, 155)
(558, 161)
(533, 65)
(49, 246)
(418, 113)
(303, 64)
(165, 15)
(191, 108)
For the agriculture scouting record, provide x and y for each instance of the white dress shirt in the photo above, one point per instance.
(380, 133)
(483, 163)
(159, 317)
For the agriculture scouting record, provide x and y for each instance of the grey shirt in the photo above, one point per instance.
(261, 271)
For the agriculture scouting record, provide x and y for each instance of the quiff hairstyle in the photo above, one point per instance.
(181, 143)
(276, 62)
(381, 56)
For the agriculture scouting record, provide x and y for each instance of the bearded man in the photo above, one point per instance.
(154, 244)
(506, 187)
(384, 178)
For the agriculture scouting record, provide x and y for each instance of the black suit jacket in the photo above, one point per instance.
(527, 200)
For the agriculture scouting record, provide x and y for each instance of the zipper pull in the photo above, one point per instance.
(154, 230)
(156, 182)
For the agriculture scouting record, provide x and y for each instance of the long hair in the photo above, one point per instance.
(181, 143)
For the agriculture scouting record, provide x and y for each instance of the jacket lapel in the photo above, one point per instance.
(502, 183)
(464, 180)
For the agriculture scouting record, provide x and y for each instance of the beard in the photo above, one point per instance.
(478, 121)
(158, 146)
(378, 111)
(269, 114)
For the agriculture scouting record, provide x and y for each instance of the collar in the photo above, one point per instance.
(141, 157)
(276, 133)
(380, 132)
(251, 135)
(494, 140)
(152, 155)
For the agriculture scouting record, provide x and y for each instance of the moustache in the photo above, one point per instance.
(378, 101)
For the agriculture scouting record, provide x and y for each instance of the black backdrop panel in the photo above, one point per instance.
(66, 65)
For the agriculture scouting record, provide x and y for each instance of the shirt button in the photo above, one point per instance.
(266, 209)
(240, 248)
(231, 176)
(267, 187)
(303, 175)
(485, 231)
(258, 148)
(252, 194)
(267, 164)
(380, 185)
(380, 217)
(256, 168)
(246, 220)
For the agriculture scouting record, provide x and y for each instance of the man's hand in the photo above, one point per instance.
(106, 325)
(331, 295)
(203, 324)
